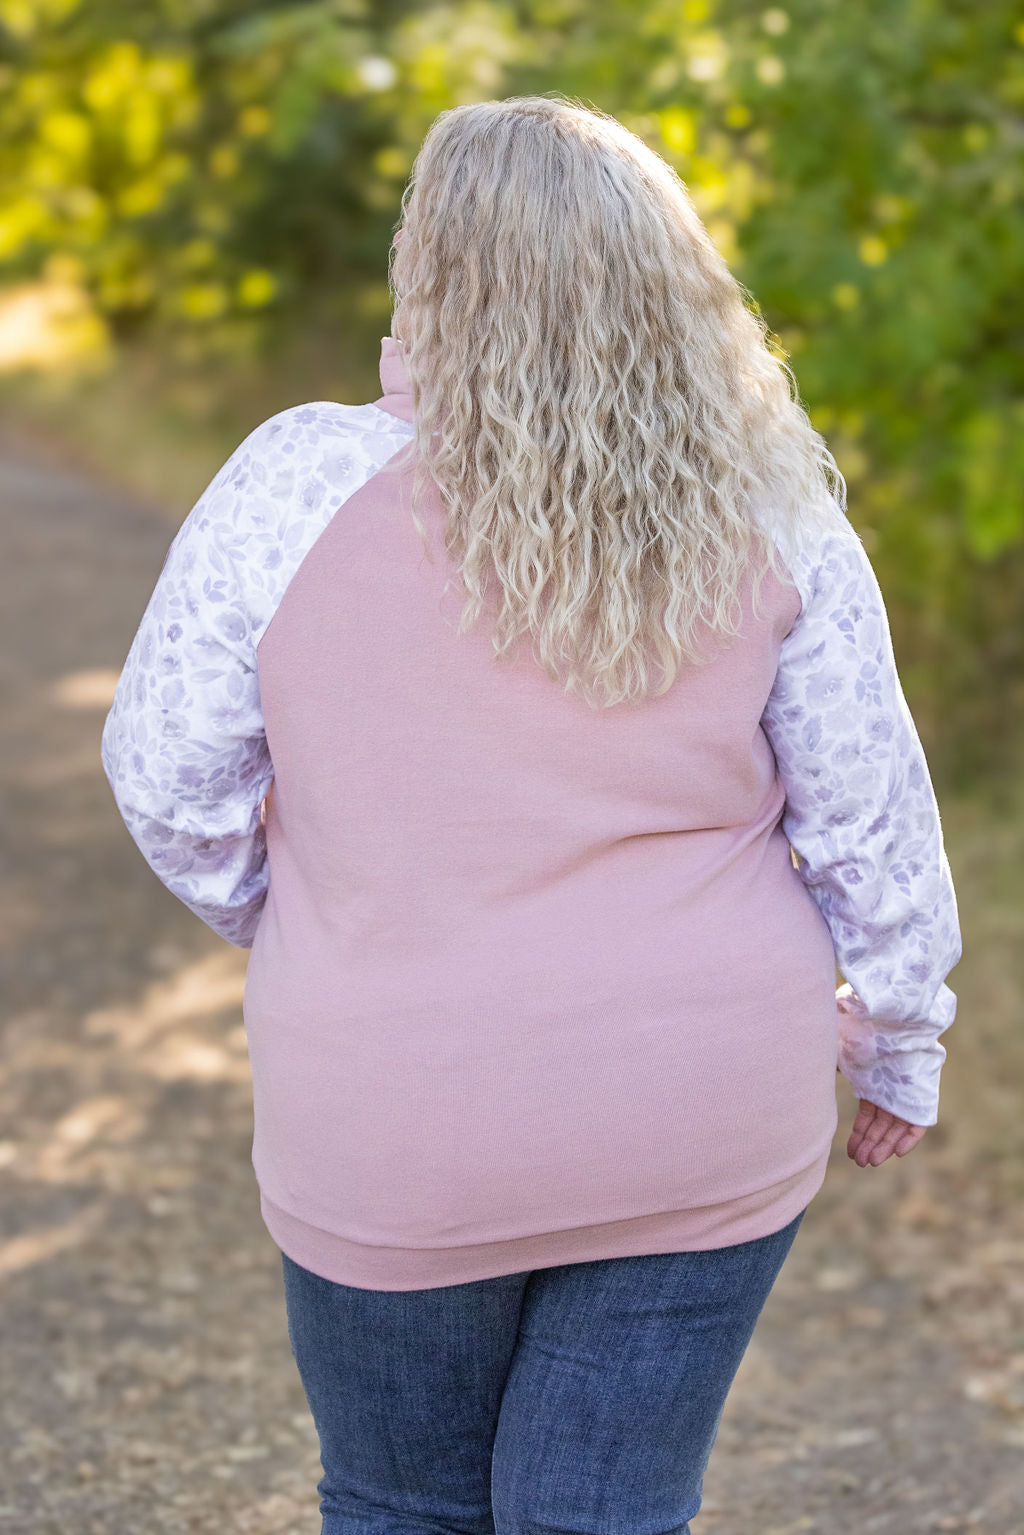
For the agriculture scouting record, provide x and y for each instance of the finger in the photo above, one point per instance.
(884, 1147)
(863, 1121)
(884, 1128)
(908, 1141)
(872, 1121)
(857, 1136)
(865, 1114)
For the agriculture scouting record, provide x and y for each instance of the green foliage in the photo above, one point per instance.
(206, 174)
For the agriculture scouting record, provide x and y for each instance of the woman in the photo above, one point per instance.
(541, 1004)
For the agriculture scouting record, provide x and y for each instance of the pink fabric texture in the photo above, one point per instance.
(533, 983)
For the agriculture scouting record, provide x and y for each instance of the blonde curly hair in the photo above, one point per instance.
(608, 426)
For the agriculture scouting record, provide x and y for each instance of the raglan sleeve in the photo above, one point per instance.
(183, 746)
(861, 816)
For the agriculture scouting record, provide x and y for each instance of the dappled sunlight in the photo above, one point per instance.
(154, 1030)
(92, 689)
(49, 325)
(109, 1117)
(171, 1032)
(95, 1144)
(45, 1242)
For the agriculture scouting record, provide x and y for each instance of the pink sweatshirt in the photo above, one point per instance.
(529, 983)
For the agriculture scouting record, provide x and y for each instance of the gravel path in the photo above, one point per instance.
(147, 1382)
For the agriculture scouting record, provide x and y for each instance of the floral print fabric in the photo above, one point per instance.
(185, 754)
(861, 816)
(183, 745)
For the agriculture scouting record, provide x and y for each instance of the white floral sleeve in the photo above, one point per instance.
(862, 817)
(183, 745)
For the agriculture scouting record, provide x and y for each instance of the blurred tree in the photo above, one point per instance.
(214, 177)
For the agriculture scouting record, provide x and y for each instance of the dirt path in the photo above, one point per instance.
(148, 1385)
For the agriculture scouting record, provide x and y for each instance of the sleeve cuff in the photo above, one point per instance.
(889, 1063)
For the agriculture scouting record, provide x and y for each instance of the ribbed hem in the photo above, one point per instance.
(423, 1268)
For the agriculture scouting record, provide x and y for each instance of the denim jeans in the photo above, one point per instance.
(585, 1397)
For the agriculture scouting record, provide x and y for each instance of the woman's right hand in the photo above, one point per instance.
(877, 1133)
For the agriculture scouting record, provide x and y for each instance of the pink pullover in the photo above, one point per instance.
(529, 983)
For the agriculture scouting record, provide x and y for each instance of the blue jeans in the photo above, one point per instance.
(582, 1398)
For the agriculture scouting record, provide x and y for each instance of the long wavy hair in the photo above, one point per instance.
(611, 432)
